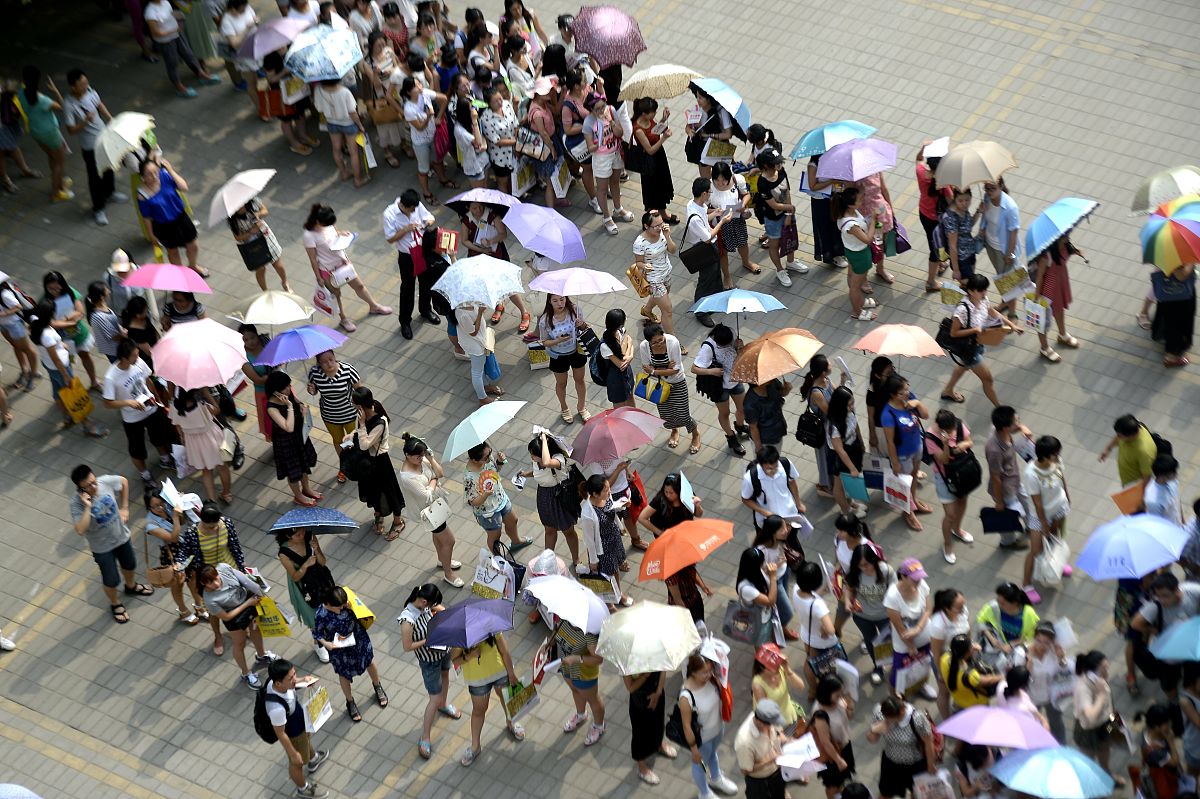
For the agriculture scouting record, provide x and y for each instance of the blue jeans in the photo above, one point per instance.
(783, 601)
(708, 756)
(477, 363)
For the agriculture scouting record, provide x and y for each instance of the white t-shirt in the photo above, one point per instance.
(160, 12)
(1047, 484)
(976, 317)
(76, 109)
(336, 105)
(416, 110)
(810, 612)
(991, 218)
(319, 240)
(607, 351)
(656, 258)
(473, 161)
(910, 613)
(312, 13)
(712, 355)
(697, 229)
(1189, 606)
(849, 241)
(775, 496)
(707, 707)
(234, 25)
(126, 384)
(943, 628)
(51, 340)
(276, 712)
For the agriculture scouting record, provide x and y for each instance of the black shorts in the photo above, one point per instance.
(561, 364)
(896, 779)
(179, 232)
(159, 428)
(243, 620)
(501, 171)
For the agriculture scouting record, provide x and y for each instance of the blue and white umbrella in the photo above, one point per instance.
(1055, 222)
(1054, 773)
(322, 53)
(1131, 546)
(737, 301)
(818, 140)
(728, 99)
(324, 519)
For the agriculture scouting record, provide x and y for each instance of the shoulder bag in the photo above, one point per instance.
(701, 255)
(674, 727)
(710, 386)
(159, 576)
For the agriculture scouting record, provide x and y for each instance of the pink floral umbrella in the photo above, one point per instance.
(198, 354)
(609, 35)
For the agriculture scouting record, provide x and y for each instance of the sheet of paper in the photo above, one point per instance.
(551, 667)
(686, 495)
(937, 148)
(341, 643)
(846, 370)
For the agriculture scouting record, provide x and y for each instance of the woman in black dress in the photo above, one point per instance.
(650, 135)
(379, 488)
(647, 717)
(294, 453)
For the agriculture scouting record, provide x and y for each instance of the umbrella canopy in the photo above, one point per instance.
(469, 622)
(728, 99)
(856, 159)
(576, 281)
(737, 301)
(899, 340)
(1171, 236)
(166, 277)
(570, 600)
(480, 278)
(479, 425)
(544, 230)
(275, 308)
(775, 354)
(121, 136)
(974, 162)
(494, 199)
(684, 544)
(997, 726)
(1131, 546)
(1058, 772)
(661, 82)
(612, 433)
(272, 35)
(198, 354)
(609, 35)
(323, 53)
(625, 644)
(300, 344)
(818, 140)
(324, 519)
(1179, 642)
(1055, 222)
(239, 190)
(1164, 186)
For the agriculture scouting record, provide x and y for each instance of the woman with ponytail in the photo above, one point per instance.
(817, 390)
(967, 685)
(379, 488)
(106, 327)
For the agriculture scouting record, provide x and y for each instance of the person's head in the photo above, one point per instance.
(426, 25)
(77, 82)
(976, 756)
(961, 649)
(614, 320)
(946, 420)
(855, 790)
(287, 534)
(750, 569)
(1126, 427)
(1011, 599)
(977, 286)
(809, 577)
(209, 579)
(992, 189)
(480, 452)
(722, 335)
(864, 562)
(414, 448)
(514, 47)
(320, 216)
(655, 335)
(597, 489)
(700, 190)
(768, 459)
(424, 596)
(55, 284)
(962, 200)
(554, 60)
(699, 668)
(183, 300)
(705, 101)
(895, 389)
(365, 403)
(652, 222)
(841, 404)
(250, 336)
(770, 532)
(767, 715)
(282, 674)
(557, 304)
(1004, 418)
(391, 14)
(278, 383)
(892, 708)
(672, 486)
(881, 369)
(97, 296)
(1047, 449)
(844, 202)
(1158, 719)
(39, 320)
(950, 602)
(1191, 677)
(409, 199)
(829, 690)
(1016, 679)
(136, 308)
(84, 479)
(185, 401)
(464, 111)
(1165, 588)
(595, 103)
(336, 599)
(150, 175)
(156, 505)
(645, 108)
(818, 369)
(854, 528)
(722, 176)
(1044, 636)
(910, 572)
(768, 160)
(210, 513)
(552, 446)
(327, 361)
(565, 23)
(410, 89)
(1093, 662)
(1164, 467)
(31, 77)
(377, 44)
(494, 100)
(758, 134)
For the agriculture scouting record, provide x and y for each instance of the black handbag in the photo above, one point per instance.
(566, 493)
(711, 386)
(255, 252)
(958, 348)
(810, 429)
(638, 160)
(354, 462)
(674, 726)
(701, 255)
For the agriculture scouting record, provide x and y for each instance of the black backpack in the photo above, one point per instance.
(674, 726)
(810, 428)
(262, 722)
(598, 367)
(354, 461)
(756, 483)
(567, 492)
(711, 386)
(958, 348)
(962, 473)
(1164, 447)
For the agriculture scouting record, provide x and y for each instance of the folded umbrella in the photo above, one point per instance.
(300, 344)
(818, 140)
(727, 98)
(199, 354)
(624, 642)
(856, 159)
(683, 545)
(482, 422)
(1164, 186)
(974, 162)
(323, 53)
(570, 600)
(1171, 236)
(480, 278)
(660, 82)
(1055, 222)
(274, 307)
(494, 199)
(609, 35)
(121, 136)
(1131, 546)
(612, 433)
(545, 231)
(577, 281)
(166, 277)
(237, 191)
(274, 34)
(469, 622)
(899, 340)
(775, 354)
(997, 726)
(1057, 772)
(1179, 642)
(326, 520)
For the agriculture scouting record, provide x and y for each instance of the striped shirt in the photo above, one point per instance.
(107, 330)
(334, 393)
(419, 619)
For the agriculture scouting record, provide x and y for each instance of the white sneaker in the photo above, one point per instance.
(594, 204)
(840, 262)
(322, 654)
(870, 302)
(101, 218)
(265, 658)
(724, 785)
(929, 690)
(782, 276)
(798, 267)
(118, 197)
(949, 557)
(252, 682)
(6, 644)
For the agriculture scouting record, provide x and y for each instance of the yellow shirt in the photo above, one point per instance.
(962, 693)
(1134, 457)
(214, 548)
(778, 694)
(483, 665)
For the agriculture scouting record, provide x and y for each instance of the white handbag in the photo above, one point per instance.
(437, 513)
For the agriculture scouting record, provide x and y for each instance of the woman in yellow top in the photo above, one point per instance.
(774, 679)
(211, 541)
(486, 667)
(968, 686)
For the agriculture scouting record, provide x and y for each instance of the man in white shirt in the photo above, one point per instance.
(164, 30)
(698, 229)
(85, 115)
(1173, 602)
(287, 717)
(770, 486)
(404, 222)
(126, 388)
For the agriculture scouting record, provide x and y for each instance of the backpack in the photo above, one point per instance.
(810, 428)
(962, 473)
(1164, 447)
(24, 301)
(711, 386)
(958, 348)
(567, 491)
(939, 740)
(262, 722)
(598, 365)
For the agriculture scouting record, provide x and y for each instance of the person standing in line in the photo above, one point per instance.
(1009, 438)
(379, 489)
(757, 745)
(1093, 709)
(164, 28)
(1136, 450)
(333, 381)
(856, 245)
(127, 387)
(651, 254)
(715, 359)
(85, 114)
(337, 103)
(900, 420)
(908, 748)
(558, 328)
(1161, 496)
(763, 408)
(700, 698)
(774, 200)
(616, 353)
(100, 512)
(932, 203)
(423, 603)
(256, 242)
(15, 330)
(161, 204)
(350, 651)
(910, 608)
(403, 223)
(1000, 231)
(486, 667)
(647, 719)
(1047, 503)
(291, 446)
(287, 717)
(661, 357)
(948, 437)
(309, 579)
(195, 418)
(38, 111)
(234, 597)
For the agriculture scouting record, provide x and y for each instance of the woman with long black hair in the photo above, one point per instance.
(552, 466)
(817, 390)
(844, 445)
(757, 587)
(867, 583)
(423, 603)
(379, 488)
(616, 347)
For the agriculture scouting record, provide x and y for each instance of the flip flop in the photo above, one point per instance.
(118, 613)
(137, 589)
(425, 748)
(450, 711)
(753, 269)
(955, 397)
(640, 545)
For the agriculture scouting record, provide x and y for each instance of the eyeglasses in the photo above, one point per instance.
(989, 187)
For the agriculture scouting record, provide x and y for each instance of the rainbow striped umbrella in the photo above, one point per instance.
(1171, 236)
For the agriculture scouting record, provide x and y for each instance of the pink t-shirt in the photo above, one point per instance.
(871, 203)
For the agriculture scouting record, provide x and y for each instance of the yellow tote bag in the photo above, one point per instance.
(271, 620)
(77, 400)
(359, 608)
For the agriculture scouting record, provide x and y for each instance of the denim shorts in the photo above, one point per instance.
(435, 674)
(726, 393)
(494, 521)
(975, 359)
(59, 381)
(499, 683)
(774, 227)
(345, 130)
(939, 486)
(108, 562)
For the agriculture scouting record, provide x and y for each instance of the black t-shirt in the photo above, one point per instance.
(664, 516)
(767, 189)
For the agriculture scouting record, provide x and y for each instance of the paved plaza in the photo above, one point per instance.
(1091, 96)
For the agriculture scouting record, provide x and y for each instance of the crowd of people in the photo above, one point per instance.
(473, 98)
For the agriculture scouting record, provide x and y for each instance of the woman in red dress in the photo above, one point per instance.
(1053, 281)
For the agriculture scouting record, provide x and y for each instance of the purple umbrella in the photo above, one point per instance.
(855, 160)
(608, 35)
(997, 726)
(270, 36)
(576, 281)
(498, 201)
(545, 231)
(300, 344)
(469, 622)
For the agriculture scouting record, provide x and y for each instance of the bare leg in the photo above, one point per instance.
(193, 252)
(279, 270)
(955, 375)
(338, 141)
(360, 289)
(210, 486)
(260, 275)
(89, 366)
(723, 417)
(580, 389)
(173, 256)
(239, 650)
(985, 377)
(738, 406)
(560, 391)
(510, 528)
(443, 545)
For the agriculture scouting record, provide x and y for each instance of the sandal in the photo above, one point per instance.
(392, 161)
(913, 523)
(639, 545)
(1143, 321)
(304, 502)
(953, 397)
(673, 442)
(450, 711)
(1050, 355)
(449, 184)
(694, 448)
(394, 531)
(525, 319)
(137, 589)
(931, 288)
(497, 314)
(495, 391)
(377, 525)
(380, 695)
(425, 748)
(201, 612)
(1069, 341)
(885, 277)
(624, 566)
(218, 649)
(118, 613)
(1175, 363)
(352, 711)
(574, 721)
(585, 415)
(431, 201)
(517, 731)
(567, 416)
(752, 269)
(648, 314)
(316, 496)
(867, 288)
(226, 497)
(468, 756)
(301, 150)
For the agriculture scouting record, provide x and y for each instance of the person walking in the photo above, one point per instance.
(647, 719)
(772, 680)
(868, 581)
(167, 526)
(100, 513)
(558, 329)
(233, 598)
(830, 726)
(403, 223)
(486, 667)
(1136, 449)
(332, 267)
(15, 329)
(602, 534)
(350, 650)
(844, 442)
(478, 343)
(661, 357)
(910, 606)
(420, 479)
(309, 578)
(333, 382)
(423, 603)
(715, 360)
(817, 390)
(1003, 450)
(700, 698)
(770, 486)
(11, 130)
(1000, 230)
(763, 409)
(757, 744)
(950, 618)
(256, 242)
(85, 115)
(773, 204)
(291, 446)
(286, 715)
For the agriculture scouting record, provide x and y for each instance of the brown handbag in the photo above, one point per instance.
(381, 111)
(159, 576)
(637, 279)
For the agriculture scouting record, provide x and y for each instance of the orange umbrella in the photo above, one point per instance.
(682, 545)
(775, 354)
(899, 340)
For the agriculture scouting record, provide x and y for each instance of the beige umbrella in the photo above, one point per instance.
(774, 355)
(122, 135)
(662, 82)
(1164, 186)
(275, 308)
(974, 162)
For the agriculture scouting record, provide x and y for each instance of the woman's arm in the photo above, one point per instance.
(406, 636)
(180, 183)
(284, 420)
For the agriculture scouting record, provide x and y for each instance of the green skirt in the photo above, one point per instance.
(303, 612)
(860, 260)
(200, 31)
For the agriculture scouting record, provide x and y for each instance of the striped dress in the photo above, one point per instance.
(676, 411)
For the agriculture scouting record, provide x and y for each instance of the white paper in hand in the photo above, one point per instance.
(341, 643)
(849, 676)
(937, 148)
(686, 495)
(845, 370)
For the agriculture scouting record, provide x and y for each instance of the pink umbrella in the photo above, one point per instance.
(198, 354)
(614, 432)
(608, 35)
(899, 340)
(167, 277)
(997, 726)
(270, 36)
(576, 281)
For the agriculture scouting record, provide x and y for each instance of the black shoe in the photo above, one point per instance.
(743, 430)
(734, 444)
(406, 330)
(705, 319)
(431, 317)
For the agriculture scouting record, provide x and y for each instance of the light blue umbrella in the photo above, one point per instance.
(322, 53)
(1054, 773)
(1056, 222)
(818, 140)
(728, 99)
(479, 425)
(737, 301)
(1180, 641)
(1131, 546)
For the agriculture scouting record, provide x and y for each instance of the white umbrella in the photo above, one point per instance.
(479, 425)
(625, 644)
(480, 278)
(121, 136)
(237, 191)
(570, 600)
(275, 308)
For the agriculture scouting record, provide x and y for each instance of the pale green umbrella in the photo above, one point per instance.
(1164, 186)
